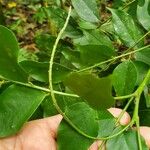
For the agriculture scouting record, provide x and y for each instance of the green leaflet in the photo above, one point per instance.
(94, 37)
(89, 121)
(125, 141)
(96, 91)
(143, 56)
(92, 54)
(9, 49)
(71, 58)
(143, 14)
(84, 118)
(125, 28)
(87, 25)
(124, 78)
(36, 70)
(142, 69)
(106, 123)
(86, 9)
(39, 71)
(69, 139)
(17, 104)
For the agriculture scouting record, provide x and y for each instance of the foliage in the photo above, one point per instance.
(84, 61)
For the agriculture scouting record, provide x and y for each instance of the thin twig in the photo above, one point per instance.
(114, 58)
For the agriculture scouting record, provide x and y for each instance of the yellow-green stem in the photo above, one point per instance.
(114, 58)
(135, 118)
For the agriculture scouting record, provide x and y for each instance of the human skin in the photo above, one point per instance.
(41, 134)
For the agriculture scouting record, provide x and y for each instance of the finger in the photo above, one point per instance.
(49, 124)
(145, 132)
(52, 124)
(116, 112)
(95, 145)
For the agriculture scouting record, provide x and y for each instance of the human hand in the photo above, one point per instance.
(35, 135)
(41, 134)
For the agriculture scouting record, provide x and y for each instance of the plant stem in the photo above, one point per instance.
(52, 61)
(137, 42)
(125, 97)
(138, 133)
(114, 58)
(138, 93)
(137, 102)
(124, 110)
(128, 4)
(30, 85)
(102, 145)
(109, 19)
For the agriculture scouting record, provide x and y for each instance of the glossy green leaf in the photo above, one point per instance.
(125, 141)
(69, 139)
(142, 70)
(60, 72)
(72, 58)
(94, 37)
(49, 108)
(17, 104)
(92, 54)
(106, 123)
(124, 78)
(83, 117)
(86, 9)
(39, 71)
(87, 25)
(96, 91)
(9, 49)
(143, 14)
(143, 56)
(125, 27)
(36, 70)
